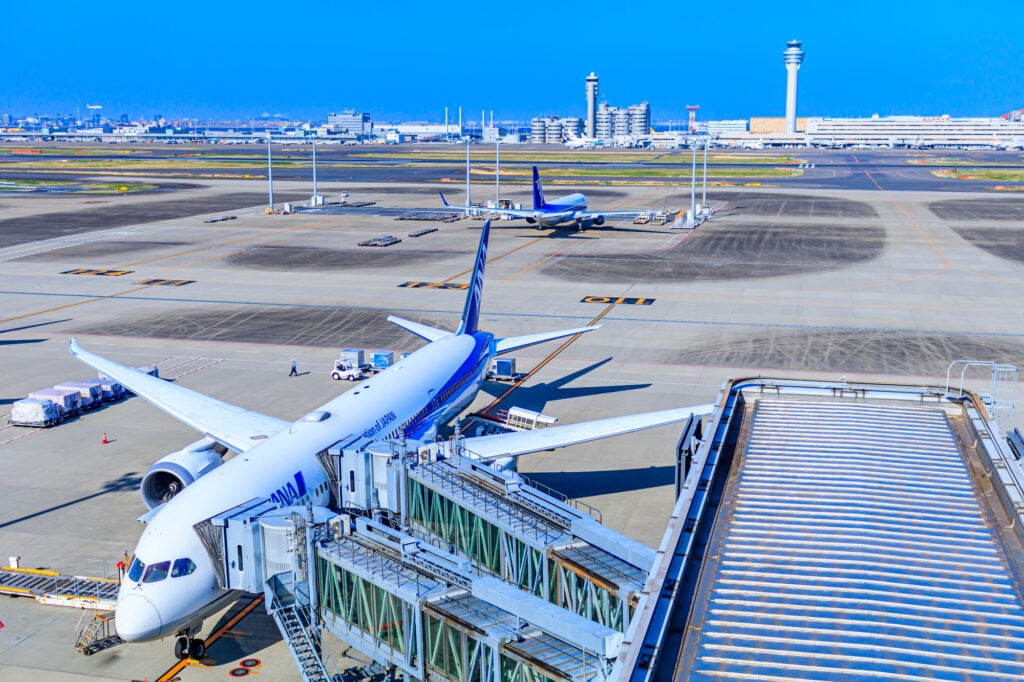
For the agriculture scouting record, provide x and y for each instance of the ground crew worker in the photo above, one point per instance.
(295, 371)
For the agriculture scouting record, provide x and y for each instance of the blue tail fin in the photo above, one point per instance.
(471, 313)
(538, 193)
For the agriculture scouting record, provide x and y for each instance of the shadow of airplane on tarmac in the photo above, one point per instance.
(535, 397)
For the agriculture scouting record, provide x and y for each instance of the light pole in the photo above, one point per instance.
(270, 176)
(704, 190)
(315, 196)
(693, 184)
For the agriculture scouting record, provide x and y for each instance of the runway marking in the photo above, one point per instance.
(196, 369)
(214, 636)
(72, 305)
(434, 285)
(496, 258)
(19, 436)
(543, 260)
(96, 271)
(920, 230)
(167, 282)
(624, 300)
(543, 362)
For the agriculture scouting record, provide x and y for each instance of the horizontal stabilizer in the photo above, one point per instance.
(524, 442)
(421, 330)
(516, 342)
(235, 427)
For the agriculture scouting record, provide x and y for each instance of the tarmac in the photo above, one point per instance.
(789, 281)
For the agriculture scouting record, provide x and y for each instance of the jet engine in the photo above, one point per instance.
(598, 220)
(180, 469)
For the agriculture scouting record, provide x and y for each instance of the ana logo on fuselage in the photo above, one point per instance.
(291, 492)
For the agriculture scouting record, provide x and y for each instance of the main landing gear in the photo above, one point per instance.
(187, 646)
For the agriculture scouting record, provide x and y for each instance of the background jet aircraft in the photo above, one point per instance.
(172, 582)
(570, 209)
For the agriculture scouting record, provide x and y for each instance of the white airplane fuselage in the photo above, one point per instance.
(560, 211)
(429, 387)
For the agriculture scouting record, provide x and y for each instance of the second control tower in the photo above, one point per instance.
(591, 126)
(793, 57)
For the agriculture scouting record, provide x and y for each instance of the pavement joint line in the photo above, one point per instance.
(508, 253)
(545, 259)
(214, 636)
(543, 362)
(76, 303)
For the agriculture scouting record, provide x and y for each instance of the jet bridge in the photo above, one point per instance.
(440, 566)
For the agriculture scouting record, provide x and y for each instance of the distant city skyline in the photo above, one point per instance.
(406, 62)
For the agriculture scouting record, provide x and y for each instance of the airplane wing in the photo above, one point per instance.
(423, 331)
(521, 443)
(516, 342)
(235, 427)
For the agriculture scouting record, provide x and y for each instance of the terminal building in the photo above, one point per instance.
(913, 131)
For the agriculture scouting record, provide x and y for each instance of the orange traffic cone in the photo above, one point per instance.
(104, 441)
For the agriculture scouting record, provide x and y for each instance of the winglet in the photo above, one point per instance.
(444, 201)
(471, 313)
(538, 193)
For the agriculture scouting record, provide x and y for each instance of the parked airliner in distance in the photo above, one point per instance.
(569, 209)
(172, 584)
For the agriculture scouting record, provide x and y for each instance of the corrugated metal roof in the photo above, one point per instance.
(856, 547)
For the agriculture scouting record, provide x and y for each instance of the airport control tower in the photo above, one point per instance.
(591, 126)
(793, 57)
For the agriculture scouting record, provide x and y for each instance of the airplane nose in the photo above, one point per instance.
(136, 619)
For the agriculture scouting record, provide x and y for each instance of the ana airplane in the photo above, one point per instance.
(171, 583)
(568, 209)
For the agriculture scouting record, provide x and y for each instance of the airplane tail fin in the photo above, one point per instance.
(538, 193)
(471, 313)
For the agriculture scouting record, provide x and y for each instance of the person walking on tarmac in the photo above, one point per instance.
(295, 371)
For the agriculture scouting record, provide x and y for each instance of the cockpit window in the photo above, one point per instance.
(156, 572)
(135, 572)
(182, 567)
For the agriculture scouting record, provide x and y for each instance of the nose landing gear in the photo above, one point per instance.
(189, 647)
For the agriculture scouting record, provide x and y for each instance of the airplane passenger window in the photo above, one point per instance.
(182, 567)
(135, 572)
(156, 572)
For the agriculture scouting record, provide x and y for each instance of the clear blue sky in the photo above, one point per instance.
(407, 60)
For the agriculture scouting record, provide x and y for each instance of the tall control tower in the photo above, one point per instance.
(793, 57)
(591, 126)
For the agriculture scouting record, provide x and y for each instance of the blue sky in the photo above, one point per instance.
(408, 60)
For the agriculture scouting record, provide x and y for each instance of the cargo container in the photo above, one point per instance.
(382, 359)
(112, 391)
(34, 412)
(90, 394)
(355, 356)
(502, 369)
(67, 400)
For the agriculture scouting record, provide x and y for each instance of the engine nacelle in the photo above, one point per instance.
(180, 469)
(598, 220)
(531, 221)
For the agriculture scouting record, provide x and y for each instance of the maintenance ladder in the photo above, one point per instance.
(50, 587)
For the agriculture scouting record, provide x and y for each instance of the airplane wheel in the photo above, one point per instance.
(197, 649)
(181, 648)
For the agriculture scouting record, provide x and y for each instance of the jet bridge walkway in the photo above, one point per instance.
(439, 566)
(839, 531)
